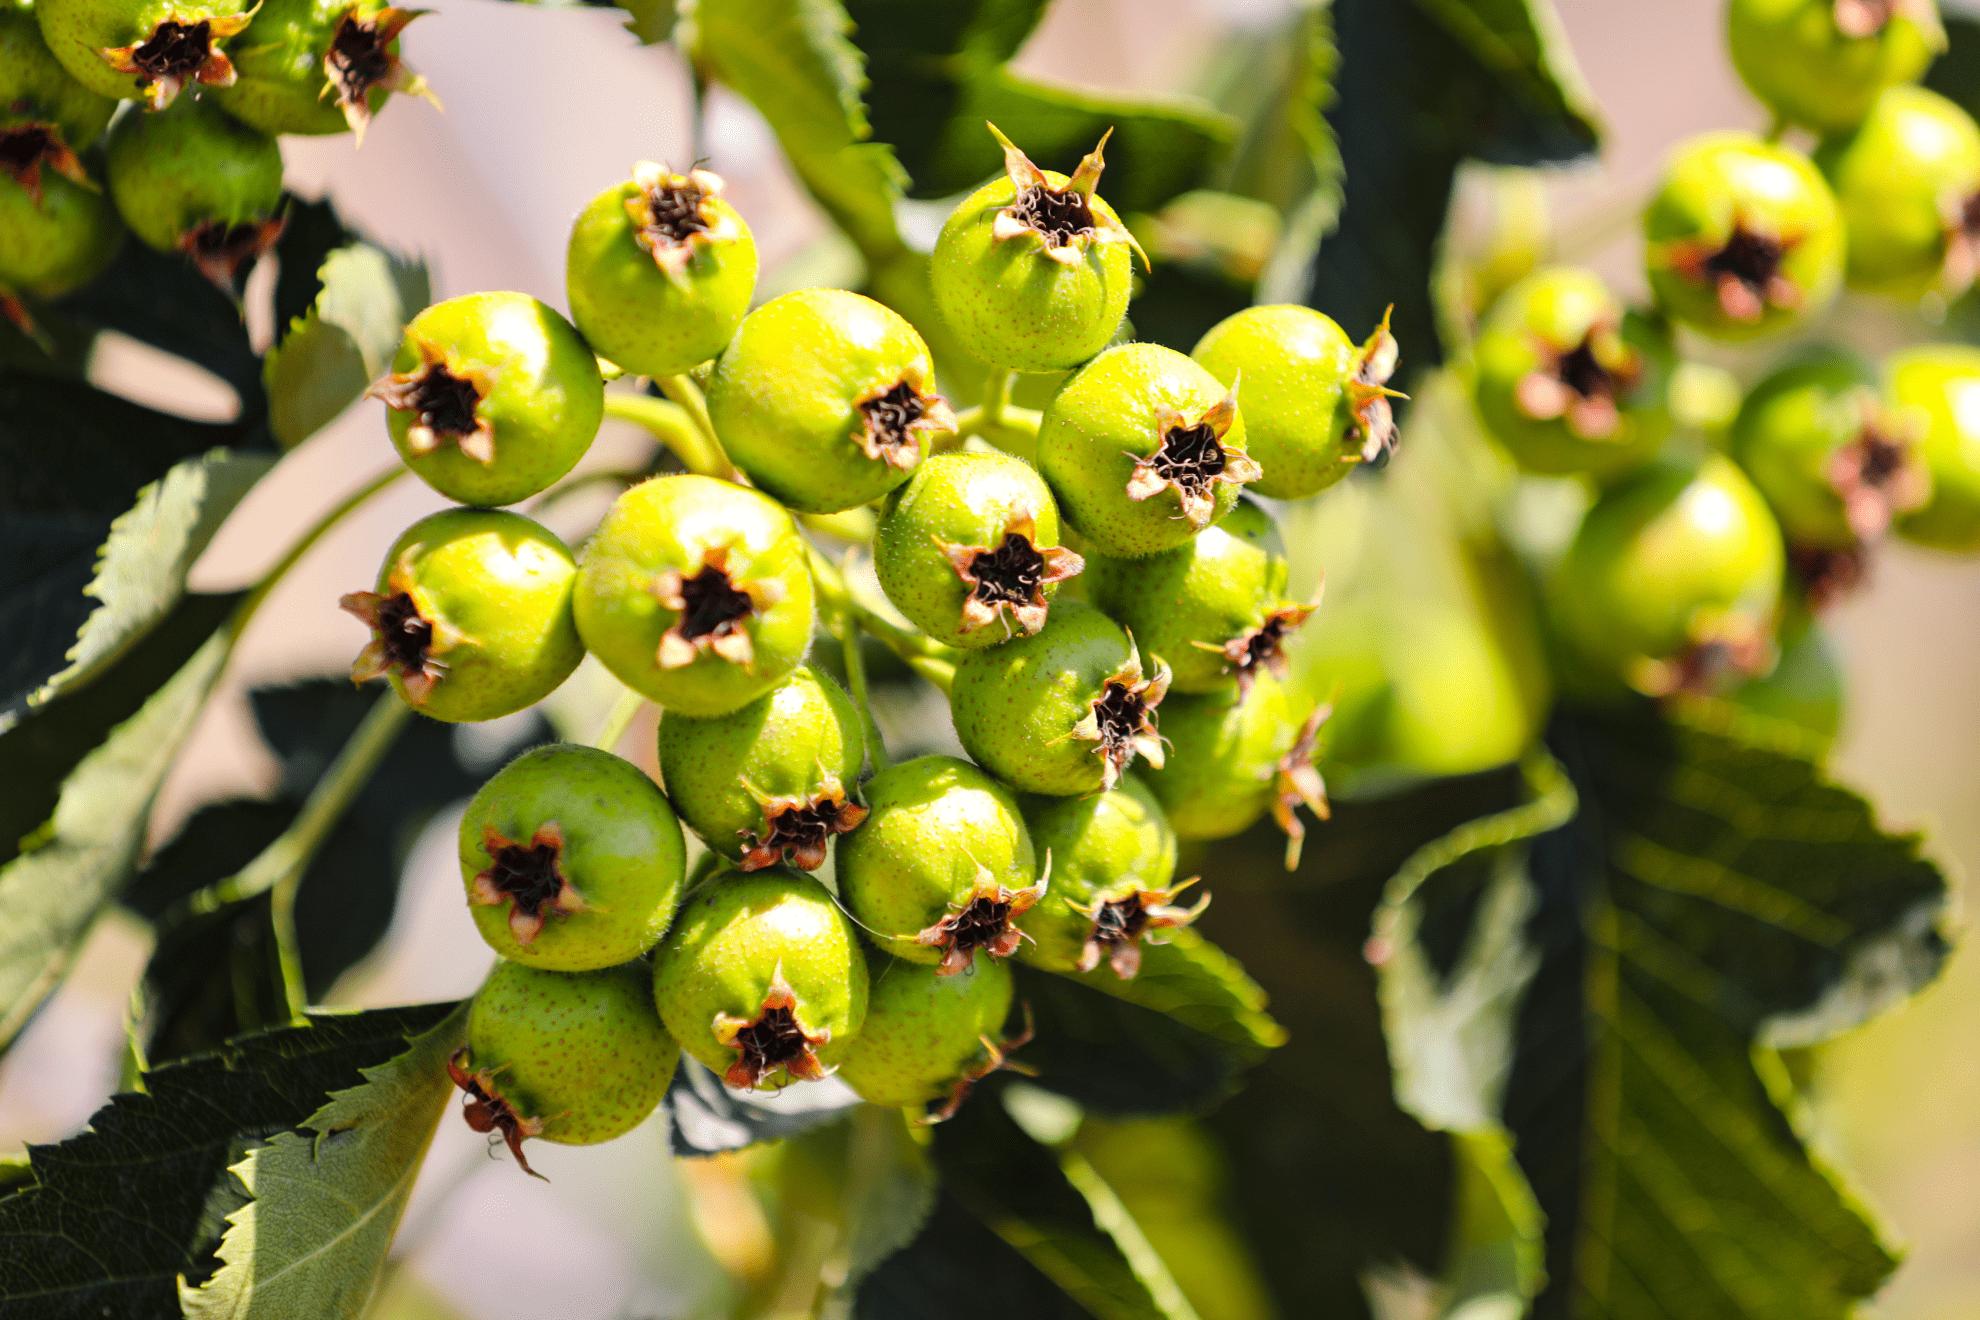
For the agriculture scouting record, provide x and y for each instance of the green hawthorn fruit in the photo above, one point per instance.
(928, 1037)
(1144, 449)
(1936, 388)
(58, 242)
(492, 398)
(1568, 381)
(46, 116)
(968, 549)
(696, 593)
(57, 228)
(769, 783)
(318, 66)
(1743, 237)
(571, 1057)
(1672, 580)
(1821, 63)
(1908, 184)
(826, 399)
(572, 859)
(762, 979)
(1214, 609)
(143, 48)
(1113, 855)
(471, 618)
(942, 867)
(1314, 404)
(1033, 271)
(659, 270)
(1065, 710)
(190, 179)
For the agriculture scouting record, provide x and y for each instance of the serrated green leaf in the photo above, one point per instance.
(327, 1199)
(346, 341)
(314, 374)
(1197, 983)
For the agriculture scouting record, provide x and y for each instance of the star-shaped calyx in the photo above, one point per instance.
(1061, 217)
(1190, 458)
(26, 148)
(996, 1058)
(444, 399)
(1007, 581)
(1725, 648)
(485, 1109)
(773, 1039)
(1367, 393)
(529, 877)
(403, 641)
(1296, 782)
(1880, 473)
(672, 217)
(181, 49)
(1120, 722)
(982, 920)
(797, 826)
(894, 420)
(1263, 646)
(1745, 271)
(1582, 384)
(220, 250)
(1120, 924)
(360, 58)
(1866, 18)
(713, 608)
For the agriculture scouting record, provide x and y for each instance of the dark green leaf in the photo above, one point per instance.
(312, 233)
(706, 1117)
(1115, 1057)
(1198, 984)
(957, 1269)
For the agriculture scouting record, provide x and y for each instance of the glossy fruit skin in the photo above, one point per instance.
(1290, 364)
(174, 170)
(278, 66)
(1229, 579)
(1219, 777)
(799, 740)
(924, 1033)
(636, 315)
(737, 937)
(1103, 847)
(1011, 306)
(584, 1053)
(620, 851)
(937, 823)
(1015, 705)
(36, 89)
(499, 586)
(1899, 179)
(1785, 434)
(542, 395)
(964, 499)
(786, 394)
(1674, 548)
(59, 245)
(1795, 59)
(1103, 420)
(1940, 385)
(670, 524)
(1716, 182)
(1545, 315)
(77, 30)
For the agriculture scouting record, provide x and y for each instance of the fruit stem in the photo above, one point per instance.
(853, 525)
(1114, 1218)
(675, 426)
(996, 420)
(1776, 129)
(876, 746)
(925, 656)
(688, 395)
(238, 624)
(613, 731)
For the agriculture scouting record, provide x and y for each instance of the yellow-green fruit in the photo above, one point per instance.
(1798, 59)
(162, 45)
(1904, 180)
(36, 92)
(927, 1036)
(1938, 386)
(192, 179)
(58, 244)
(1225, 756)
(1113, 855)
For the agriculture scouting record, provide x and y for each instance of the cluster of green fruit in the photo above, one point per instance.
(703, 595)
(1689, 566)
(198, 173)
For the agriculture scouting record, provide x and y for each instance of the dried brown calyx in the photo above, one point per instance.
(1061, 216)
(797, 827)
(1296, 782)
(895, 419)
(1725, 648)
(1368, 393)
(183, 48)
(1583, 384)
(445, 401)
(221, 249)
(996, 1058)
(1826, 574)
(360, 58)
(26, 148)
(486, 1111)
(674, 216)
(773, 1039)
(1007, 581)
(1880, 473)
(1121, 720)
(1745, 272)
(530, 877)
(713, 608)
(403, 642)
(1262, 647)
(1120, 925)
(1961, 218)
(1190, 458)
(1866, 18)
(982, 920)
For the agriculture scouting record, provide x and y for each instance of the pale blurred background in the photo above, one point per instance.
(545, 107)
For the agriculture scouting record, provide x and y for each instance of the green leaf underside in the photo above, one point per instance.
(345, 341)
(116, 1215)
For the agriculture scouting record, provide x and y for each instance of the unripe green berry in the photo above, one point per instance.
(1233, 757)
(696, 593)
(762, 979)
(36, 92)
(144, 49)
(1797, 58)
(928, 1037)
(59, 243)
(318, 66)
(472, 616)
(190, 179)
(1906, 181)
(572, 859)
(1937, 387)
